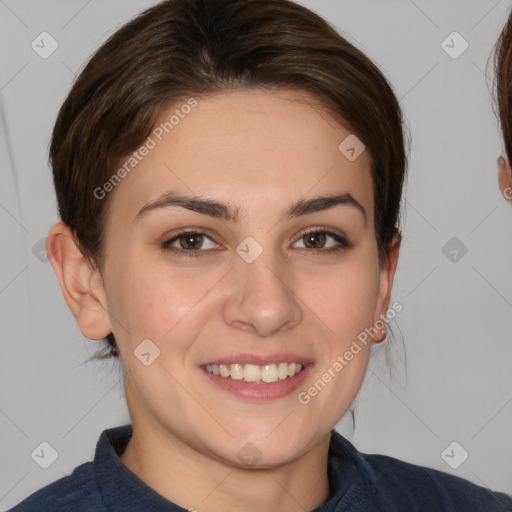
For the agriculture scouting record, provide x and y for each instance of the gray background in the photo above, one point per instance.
(456, 320)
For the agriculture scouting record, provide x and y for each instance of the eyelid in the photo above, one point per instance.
(339, 236)
(191, 230)
(170, 238)
(342, 242)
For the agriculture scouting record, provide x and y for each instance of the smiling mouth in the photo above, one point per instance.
(255, 374)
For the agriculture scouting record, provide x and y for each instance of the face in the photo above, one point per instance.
(243, 243)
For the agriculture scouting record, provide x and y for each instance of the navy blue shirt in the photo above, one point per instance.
(358, 483)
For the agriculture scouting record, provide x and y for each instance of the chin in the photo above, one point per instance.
(267, 451)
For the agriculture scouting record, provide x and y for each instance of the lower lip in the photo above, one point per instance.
(260, 392)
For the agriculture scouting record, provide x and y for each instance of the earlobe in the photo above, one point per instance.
(505, 178)
(387, 275)
(80, 282)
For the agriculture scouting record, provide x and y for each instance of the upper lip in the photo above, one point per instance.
(258, 359)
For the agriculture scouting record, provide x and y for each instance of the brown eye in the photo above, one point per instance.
(191, 241)
(314, 240)
(323, 241)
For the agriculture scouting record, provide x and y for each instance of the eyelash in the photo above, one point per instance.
(342, 241)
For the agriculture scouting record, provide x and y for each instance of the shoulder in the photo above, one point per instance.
(396, 485)
(84, 490)
(74, 493)
(426, 487)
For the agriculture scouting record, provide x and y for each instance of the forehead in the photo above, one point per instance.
(247, 147)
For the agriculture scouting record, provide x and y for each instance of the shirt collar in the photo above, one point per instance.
(122, 490)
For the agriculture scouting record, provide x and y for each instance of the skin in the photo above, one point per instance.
(505, 176)
(259, 153)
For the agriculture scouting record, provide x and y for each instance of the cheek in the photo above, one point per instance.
(154, 302)
(346, 297)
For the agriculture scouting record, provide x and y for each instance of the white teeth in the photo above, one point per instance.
(269, 373)
(237, 371)
(253, 373)
(291, 369)
(283, 371)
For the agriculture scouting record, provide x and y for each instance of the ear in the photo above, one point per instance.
(80, 281)
(505, 177)
(387, 275)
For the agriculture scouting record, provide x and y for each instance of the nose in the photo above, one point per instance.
(261, 298)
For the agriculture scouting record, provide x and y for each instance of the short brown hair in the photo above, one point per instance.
(503, 83)
(182, 48)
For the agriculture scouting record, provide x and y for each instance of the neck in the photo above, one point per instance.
(197, 482)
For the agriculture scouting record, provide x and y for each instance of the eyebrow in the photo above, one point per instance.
(226, 212)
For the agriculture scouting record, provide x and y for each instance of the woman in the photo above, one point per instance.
(229, 176)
